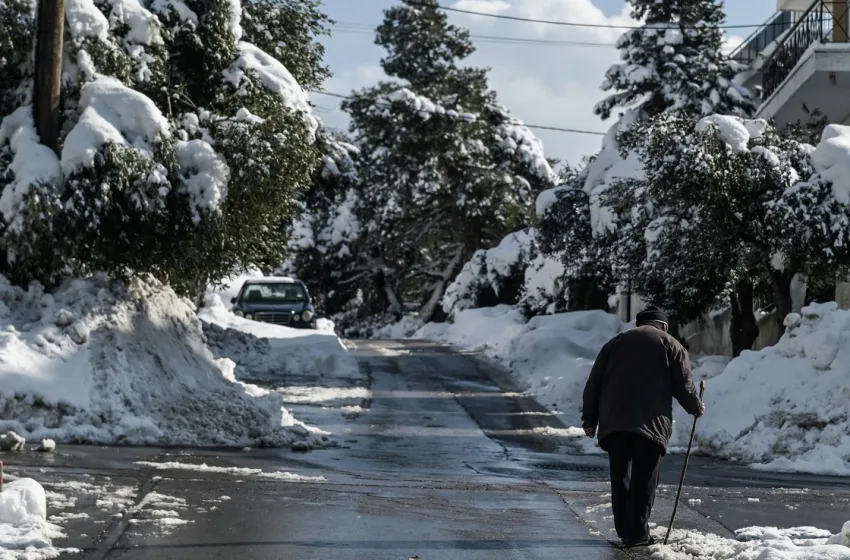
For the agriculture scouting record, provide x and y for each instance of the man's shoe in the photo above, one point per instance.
(648, 541)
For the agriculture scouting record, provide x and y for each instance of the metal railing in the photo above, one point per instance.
(772, 30)
(815, 25)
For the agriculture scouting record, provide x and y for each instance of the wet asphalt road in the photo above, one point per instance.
(442, 463)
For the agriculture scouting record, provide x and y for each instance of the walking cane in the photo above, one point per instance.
(685, 467)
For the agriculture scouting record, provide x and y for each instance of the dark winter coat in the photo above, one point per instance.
(633, 382)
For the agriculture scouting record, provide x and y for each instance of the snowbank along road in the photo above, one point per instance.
(440, 457)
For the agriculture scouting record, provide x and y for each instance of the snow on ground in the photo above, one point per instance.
(103, 362)
(754, 543)
(785, 408)
(263, 350)
(25, 532)
(235, 471)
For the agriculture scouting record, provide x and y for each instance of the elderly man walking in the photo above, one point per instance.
(628, 403)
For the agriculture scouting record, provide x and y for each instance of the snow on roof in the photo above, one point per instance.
(272, 280)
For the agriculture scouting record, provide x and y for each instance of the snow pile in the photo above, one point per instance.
(24, 530)
(262, 350)
(103, 362)
(764, 543)
(785, 408)
(10, 441)
(550, 355)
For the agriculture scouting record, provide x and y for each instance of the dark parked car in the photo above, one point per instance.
(282, 301)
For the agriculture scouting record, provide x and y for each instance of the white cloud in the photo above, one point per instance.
(541, 84)
(549, 85)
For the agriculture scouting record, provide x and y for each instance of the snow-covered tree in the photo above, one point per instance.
(674, 63)
(183, 144)
(712, 220)
(444, 170)
(566, 234)
(324, 239)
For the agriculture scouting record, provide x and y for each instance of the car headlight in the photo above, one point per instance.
(307, 316)
(238, 313)
(249, 316)
(296, 317)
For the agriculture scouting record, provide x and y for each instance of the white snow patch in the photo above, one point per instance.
(759, 543)
(25, 532)
(83, 19)
(733, 131)
(33, 164)
(262, 350)
(831, 160)
(274, 77)
(235, 471)
(205, 175)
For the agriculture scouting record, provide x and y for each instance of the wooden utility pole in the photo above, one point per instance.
(47, 88)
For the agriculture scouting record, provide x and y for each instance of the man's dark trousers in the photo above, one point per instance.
(635, 464)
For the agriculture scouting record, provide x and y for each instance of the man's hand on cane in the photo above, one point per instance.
(701, 411)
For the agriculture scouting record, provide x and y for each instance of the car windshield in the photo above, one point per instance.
(273, 292)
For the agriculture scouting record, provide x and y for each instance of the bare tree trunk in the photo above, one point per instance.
(47, 89)
(385, 288)
(781, 284)
(744, 329)
(429, 309)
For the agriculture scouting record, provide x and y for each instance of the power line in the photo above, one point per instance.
(565, 23)
(364, 29)
(537, 126)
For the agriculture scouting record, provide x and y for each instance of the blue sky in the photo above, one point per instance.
(546, 85)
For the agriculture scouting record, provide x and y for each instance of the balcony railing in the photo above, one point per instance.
(815, 25)
(772, 30)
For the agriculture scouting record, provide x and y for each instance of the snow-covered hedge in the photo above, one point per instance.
(182, 144)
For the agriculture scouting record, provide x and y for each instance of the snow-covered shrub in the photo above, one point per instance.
(492, 276)
(182, 147)
(515, 272)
